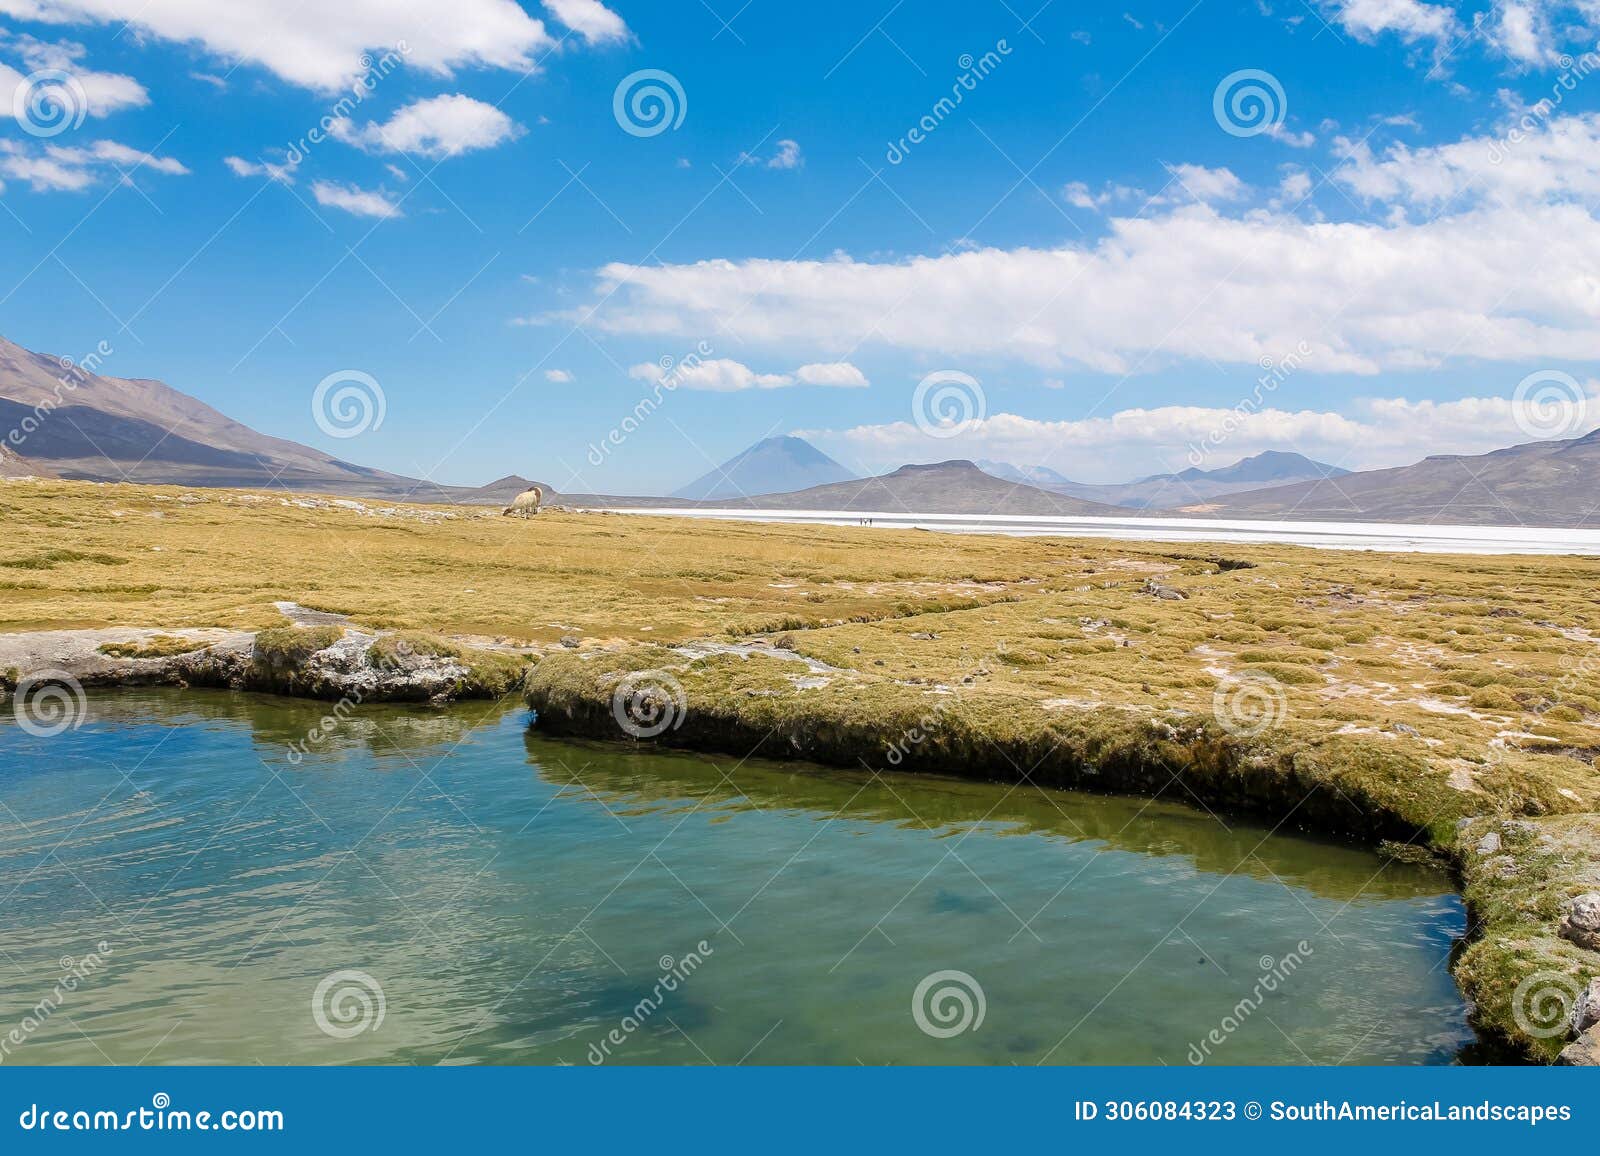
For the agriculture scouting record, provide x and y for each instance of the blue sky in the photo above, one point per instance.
(1105, 269)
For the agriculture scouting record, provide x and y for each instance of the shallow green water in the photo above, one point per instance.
(516, 898)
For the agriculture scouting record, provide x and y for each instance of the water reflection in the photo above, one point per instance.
(640, 781)
(515, 896)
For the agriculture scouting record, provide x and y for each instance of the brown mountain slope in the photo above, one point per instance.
(1552, 483)
(12, 466)
(65, 422)
(954, 487)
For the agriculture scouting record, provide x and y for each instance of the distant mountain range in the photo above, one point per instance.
(1550, 483)
(772, 466)
(1166, 491)
(56, 421)
(954, 487)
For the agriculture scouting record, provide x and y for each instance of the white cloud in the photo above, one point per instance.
(1495, 280)
(1411, 20)
(788, 156)
(1527, 32)
(590, 19)
(1209, 185)
(1558, 161)
(91, 93)
(319, 46)
(838, 373)
(352, 199)
(1521, 30)
(282, 173)
(1295, 187)
(111, 153)
(70, 168)
(1378, 433)
(557, 376)
(1285, 135)
(715, 375)
(1080, 195)
(441, 126)
(722, 375)
(1077, 193)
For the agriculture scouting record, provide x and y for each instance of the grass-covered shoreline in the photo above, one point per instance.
(1441, 703)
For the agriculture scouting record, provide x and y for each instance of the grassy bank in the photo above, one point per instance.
(1427, 700)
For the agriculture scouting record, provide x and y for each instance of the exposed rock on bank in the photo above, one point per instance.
(325, 662)
(1583, 1052)
(1581, 923)
(1530, 885)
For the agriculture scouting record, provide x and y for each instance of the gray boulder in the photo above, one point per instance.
(1586, 1008)
(1581, 923)
(1584, 1052)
